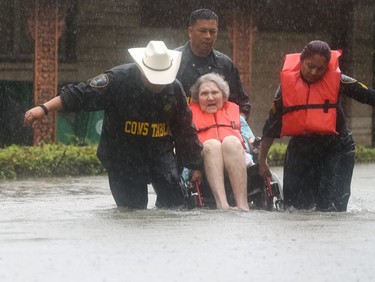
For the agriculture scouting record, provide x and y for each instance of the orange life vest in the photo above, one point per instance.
(309, 108)
(225, 122)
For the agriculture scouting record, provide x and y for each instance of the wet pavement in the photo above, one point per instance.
(69, 229)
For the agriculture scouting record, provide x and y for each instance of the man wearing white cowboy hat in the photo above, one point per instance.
(158, 64)
(146, 118)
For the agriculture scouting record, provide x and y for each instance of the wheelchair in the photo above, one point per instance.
(264, 194)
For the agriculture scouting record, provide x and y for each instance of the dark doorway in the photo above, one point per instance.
(15, 99)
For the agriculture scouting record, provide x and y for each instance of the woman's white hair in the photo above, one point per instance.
(210, 77)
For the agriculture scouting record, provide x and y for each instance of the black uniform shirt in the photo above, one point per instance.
(192, 67)
(138, 125)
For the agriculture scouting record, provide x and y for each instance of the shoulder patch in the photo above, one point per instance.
(167, 107)
(347, 79)
(99, 81)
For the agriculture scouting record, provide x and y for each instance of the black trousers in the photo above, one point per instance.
(318, 172)
(129, 184)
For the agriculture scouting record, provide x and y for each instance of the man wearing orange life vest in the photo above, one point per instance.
(319, 160)
(218, 124)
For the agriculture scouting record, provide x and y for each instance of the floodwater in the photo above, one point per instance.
(70, 230)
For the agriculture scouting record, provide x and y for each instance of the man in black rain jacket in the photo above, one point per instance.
(147, 123)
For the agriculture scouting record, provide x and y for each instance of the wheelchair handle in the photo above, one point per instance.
(199, 195)
(268, 186)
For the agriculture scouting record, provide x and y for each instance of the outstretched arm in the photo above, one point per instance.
(39, 112)
(271, 130)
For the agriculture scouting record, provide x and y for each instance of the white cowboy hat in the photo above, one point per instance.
(158, 64)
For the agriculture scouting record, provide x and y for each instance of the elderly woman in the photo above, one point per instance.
(320, 156)
(218, 123)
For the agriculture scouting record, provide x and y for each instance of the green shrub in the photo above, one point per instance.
(277, 152)
(73, 160)
(365, 155)
(49, 161)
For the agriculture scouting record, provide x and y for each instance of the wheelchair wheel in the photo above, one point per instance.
(277, 189)
(265, 195)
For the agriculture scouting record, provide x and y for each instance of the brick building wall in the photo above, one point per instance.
(361, 68)
(106, 29)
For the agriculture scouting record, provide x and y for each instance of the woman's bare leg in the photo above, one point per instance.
(214, 168)
(235, 165)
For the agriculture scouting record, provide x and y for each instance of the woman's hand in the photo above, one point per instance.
(264, 169)
(265, 146)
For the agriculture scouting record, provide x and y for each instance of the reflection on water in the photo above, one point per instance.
(69, 229)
